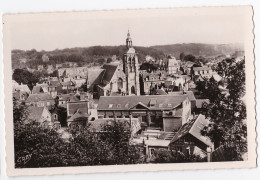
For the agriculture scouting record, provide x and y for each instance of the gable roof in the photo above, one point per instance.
(79, 115)
(95, 76)
(74, 106)
(126, 102)
(194, 127)
(39, 97)
(37, 90)
(35, 113)
(110, 70)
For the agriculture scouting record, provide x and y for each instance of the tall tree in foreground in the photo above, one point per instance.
(227, 112)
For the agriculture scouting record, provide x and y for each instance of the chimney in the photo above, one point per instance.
(209, 151)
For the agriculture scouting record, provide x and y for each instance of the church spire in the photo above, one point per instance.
(128, 40)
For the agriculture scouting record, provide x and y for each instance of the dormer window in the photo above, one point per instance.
(169, 105)
(152, 102)
(127, 105)
(118, 106)
(110, 105)
(160, 105)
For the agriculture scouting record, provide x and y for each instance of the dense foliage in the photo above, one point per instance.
(95, 54)
(37, 146)
(227, 111)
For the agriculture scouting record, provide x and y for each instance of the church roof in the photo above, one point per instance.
(110, 70)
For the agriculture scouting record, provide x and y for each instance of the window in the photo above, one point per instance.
(110, 105)
(127, 105)
(169, 105)
(118, 106)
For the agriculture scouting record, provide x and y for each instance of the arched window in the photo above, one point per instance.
(120, 83)
(132, 90)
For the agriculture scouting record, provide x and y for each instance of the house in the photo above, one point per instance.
(189, 140)
(151, 80)
(54, 87)
(160, 112)
(73, 107)
(63, 99)
(67, 86)
(173, 65)
(40, 115)
(190, 95)
(40, 100)
(204, 71)
(78, 120)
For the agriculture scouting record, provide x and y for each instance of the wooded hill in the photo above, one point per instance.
(99, 54)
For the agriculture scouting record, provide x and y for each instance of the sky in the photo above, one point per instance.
(151, 27)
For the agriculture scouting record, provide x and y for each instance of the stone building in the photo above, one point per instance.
(160, 112)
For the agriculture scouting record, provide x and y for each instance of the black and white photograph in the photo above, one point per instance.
(160, 88)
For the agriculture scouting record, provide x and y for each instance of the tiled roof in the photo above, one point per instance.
(39, 97)
(125, 102)
(194, 128)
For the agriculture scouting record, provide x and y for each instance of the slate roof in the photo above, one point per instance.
(110, 70)
(74, 106)
(79, 116)
(39, 97)
(68, 97)
(189, 93)
(125, 102)
(35, 113)
(95, 76)
(194, 127)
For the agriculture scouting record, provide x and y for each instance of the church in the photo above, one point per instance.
(117, 79)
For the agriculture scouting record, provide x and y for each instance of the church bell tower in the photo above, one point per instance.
(131, 68)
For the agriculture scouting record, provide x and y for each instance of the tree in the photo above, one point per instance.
(25, 77)
(189, 57)
(182, 55)
(228, 113)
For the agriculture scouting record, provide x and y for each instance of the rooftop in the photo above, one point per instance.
(128, 102)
